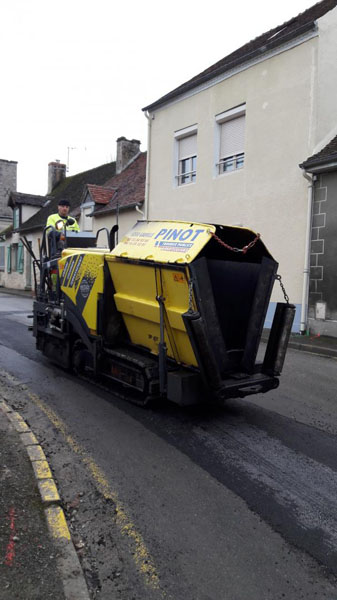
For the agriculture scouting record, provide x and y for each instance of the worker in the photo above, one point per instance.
(61, 219)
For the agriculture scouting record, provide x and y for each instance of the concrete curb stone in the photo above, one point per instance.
(69, 567)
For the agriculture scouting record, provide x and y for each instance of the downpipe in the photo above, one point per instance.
(149, 117)
(306, 269)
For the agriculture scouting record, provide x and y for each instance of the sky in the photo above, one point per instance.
(75, 74)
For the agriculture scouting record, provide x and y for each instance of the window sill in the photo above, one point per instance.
(226, 173)
(184, 185)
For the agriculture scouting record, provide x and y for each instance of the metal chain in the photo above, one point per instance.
(232, 248)
(190, 295)
(286, 297)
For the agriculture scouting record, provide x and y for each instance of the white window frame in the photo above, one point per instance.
(87, 207)
(237, 160)
(192, 173)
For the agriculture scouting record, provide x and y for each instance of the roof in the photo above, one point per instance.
(323, 160)
(129, 186)
(71, 188)
(6, 232)
(100, 194)
(16, 198)
(270, 40)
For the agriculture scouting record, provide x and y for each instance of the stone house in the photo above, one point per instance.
(323, 246)
(225, 146)
(16, 268)
(8, 182)
(30, 213)
(119, 201)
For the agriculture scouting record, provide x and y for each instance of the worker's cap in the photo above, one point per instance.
(63, 203)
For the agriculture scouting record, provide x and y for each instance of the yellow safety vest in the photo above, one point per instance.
(53, 220)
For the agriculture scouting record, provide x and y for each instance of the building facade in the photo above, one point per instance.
(323, 244)
(225, 147)
(91, 202)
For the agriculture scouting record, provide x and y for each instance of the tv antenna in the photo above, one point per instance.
(68, 155)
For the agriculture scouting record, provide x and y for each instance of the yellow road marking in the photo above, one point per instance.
(29, 439)
(48, 490)
(57, 523)
(41, 469)
(18, 422)
(142, 557)
(36, 453)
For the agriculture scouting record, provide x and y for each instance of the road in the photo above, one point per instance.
(200, 504)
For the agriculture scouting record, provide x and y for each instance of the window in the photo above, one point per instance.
(14, 257)
(231, 139)
(86, 210)
(87, 221)
(20, 261)
(9, 263)
(186, 155)
(16, 217)
(2, 258)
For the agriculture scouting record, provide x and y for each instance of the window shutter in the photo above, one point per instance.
(20, 258)
(232, 139)
(9, 267)
(188, 146)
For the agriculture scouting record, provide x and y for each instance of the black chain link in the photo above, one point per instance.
(190, 295)
(286, 297)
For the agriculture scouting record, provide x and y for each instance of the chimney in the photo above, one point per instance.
(56, 173)
(8, 177)
(126, 150)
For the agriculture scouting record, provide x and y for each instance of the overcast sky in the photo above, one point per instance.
(75, 74)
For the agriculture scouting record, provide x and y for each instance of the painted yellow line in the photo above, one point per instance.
(48, 491)
(18, 422)
(29, 439)
(57, 523)
(141, 555)
(41, 469)
(36, 453)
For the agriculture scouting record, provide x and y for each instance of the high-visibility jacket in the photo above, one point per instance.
(54, 219)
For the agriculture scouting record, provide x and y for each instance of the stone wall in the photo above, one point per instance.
(8, 182)
(323, 259)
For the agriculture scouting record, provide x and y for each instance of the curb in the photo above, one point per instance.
(13, 292)
(74, 585)
(310, 348)
(322, 350)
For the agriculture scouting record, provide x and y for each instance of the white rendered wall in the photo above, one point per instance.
(269, 194)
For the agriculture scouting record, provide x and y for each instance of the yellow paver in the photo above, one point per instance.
(48, 491)
(57, 523)
(36, 453)
(41, 469)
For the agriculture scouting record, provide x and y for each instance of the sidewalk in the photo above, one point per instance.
(25, 293)
(317, 344)
(37, 557)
